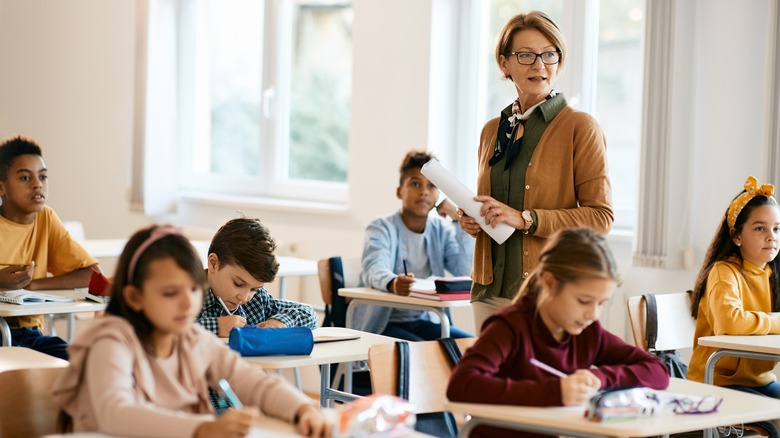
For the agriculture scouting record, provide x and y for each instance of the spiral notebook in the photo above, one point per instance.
(22, 296)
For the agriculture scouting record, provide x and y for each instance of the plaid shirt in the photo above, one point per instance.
(261, 307)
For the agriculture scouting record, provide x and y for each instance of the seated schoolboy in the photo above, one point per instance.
(415, 242)
(34, 242)
(240, 261)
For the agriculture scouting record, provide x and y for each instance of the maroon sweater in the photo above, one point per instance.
(497, 370)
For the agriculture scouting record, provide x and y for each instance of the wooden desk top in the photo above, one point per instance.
(737, 407)
(328, 352)
(366, 293)
(759, 344)
(78, 306)
(14, 358)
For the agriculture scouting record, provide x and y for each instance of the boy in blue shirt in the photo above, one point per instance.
(426, 244)
(34, 242)
(240, 261)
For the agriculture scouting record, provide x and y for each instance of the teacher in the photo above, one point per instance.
(542, 166)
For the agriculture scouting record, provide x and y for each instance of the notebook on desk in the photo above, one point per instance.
(22, 296)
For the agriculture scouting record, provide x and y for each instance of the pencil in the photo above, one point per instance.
(405, 273)
(224, 306)
(548, 368)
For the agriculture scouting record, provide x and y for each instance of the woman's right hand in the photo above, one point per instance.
(233, 423)
(579, 387)
(468, 224)
(226, 323)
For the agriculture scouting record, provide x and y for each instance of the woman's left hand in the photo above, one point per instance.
(312, 422)
(496, 212)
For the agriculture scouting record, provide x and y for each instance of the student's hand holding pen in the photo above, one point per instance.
(402, 284)
(16, 276)
(234, 423)
(226, 323)
(579, 387)
(312, 423)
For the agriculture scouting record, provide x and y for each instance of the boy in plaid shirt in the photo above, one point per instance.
(241, 260)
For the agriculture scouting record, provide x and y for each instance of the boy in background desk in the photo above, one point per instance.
(407, 244)
(34, 242)
(241, 260)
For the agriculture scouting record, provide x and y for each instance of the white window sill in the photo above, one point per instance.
(266, 203)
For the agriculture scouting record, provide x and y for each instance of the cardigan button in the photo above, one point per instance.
(525, 274)
(527, 187)
(525, 253)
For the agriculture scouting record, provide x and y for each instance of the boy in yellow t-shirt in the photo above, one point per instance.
(34, 241)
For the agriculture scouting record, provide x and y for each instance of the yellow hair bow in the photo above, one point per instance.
(752, 189)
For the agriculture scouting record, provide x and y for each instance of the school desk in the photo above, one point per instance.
(737, 407)
(15, 358)
(78, 306)
(365, 295)
(761, 347)
(327, 353)
(288, 266)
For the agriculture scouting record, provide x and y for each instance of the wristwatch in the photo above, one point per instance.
(529, 220)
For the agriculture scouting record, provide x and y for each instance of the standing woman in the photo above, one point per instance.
(542, 166)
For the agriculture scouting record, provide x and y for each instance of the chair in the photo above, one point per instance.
(335, 273)
(429, 372)
(676, 331)
(27, 378)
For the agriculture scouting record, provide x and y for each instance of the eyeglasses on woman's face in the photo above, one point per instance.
(529, 58)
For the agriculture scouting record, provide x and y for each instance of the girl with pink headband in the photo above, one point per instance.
(144, 368)
(737, 291)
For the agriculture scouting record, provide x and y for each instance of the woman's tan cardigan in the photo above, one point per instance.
(566, 183)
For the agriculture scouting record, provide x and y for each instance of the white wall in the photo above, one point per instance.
(66, 78)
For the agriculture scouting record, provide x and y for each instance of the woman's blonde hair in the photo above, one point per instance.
(572, 255)
(533, 20)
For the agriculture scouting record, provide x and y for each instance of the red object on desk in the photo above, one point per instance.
(99, 284)
(445, 296)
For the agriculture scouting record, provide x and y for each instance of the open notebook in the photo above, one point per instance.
(22, 296)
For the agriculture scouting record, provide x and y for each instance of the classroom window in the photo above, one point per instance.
(603, 77)
(265, 92)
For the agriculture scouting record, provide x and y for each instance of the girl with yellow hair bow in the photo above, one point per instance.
(737, 291)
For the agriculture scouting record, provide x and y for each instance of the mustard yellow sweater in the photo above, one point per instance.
(738, 301)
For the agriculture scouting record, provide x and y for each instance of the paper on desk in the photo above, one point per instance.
(463, 198)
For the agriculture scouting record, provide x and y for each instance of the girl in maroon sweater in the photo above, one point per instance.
(555, 320)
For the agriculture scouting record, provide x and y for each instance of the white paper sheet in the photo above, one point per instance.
(463, 198)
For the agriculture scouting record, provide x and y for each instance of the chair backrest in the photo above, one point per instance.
(332, 272)
(429, 372)
(27, 407)
(675, 324)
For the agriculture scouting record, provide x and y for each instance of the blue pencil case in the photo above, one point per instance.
(256, 341)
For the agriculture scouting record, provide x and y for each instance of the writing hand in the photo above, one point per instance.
(579, 387)
(16, 276)
(226, 323)
(402, 284)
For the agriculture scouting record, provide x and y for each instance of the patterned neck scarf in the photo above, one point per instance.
(511, 122)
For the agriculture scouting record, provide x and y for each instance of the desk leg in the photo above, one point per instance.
(324, 384)
(709, 369)
(445, 322)
(6, 332)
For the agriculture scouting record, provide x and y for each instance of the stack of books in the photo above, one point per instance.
(442, 288)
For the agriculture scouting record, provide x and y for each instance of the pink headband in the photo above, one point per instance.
(156, 234)
(752, 189)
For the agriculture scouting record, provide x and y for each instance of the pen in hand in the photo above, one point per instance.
(229, 394)
(224, 306)
(548, 368)
(405, 273)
